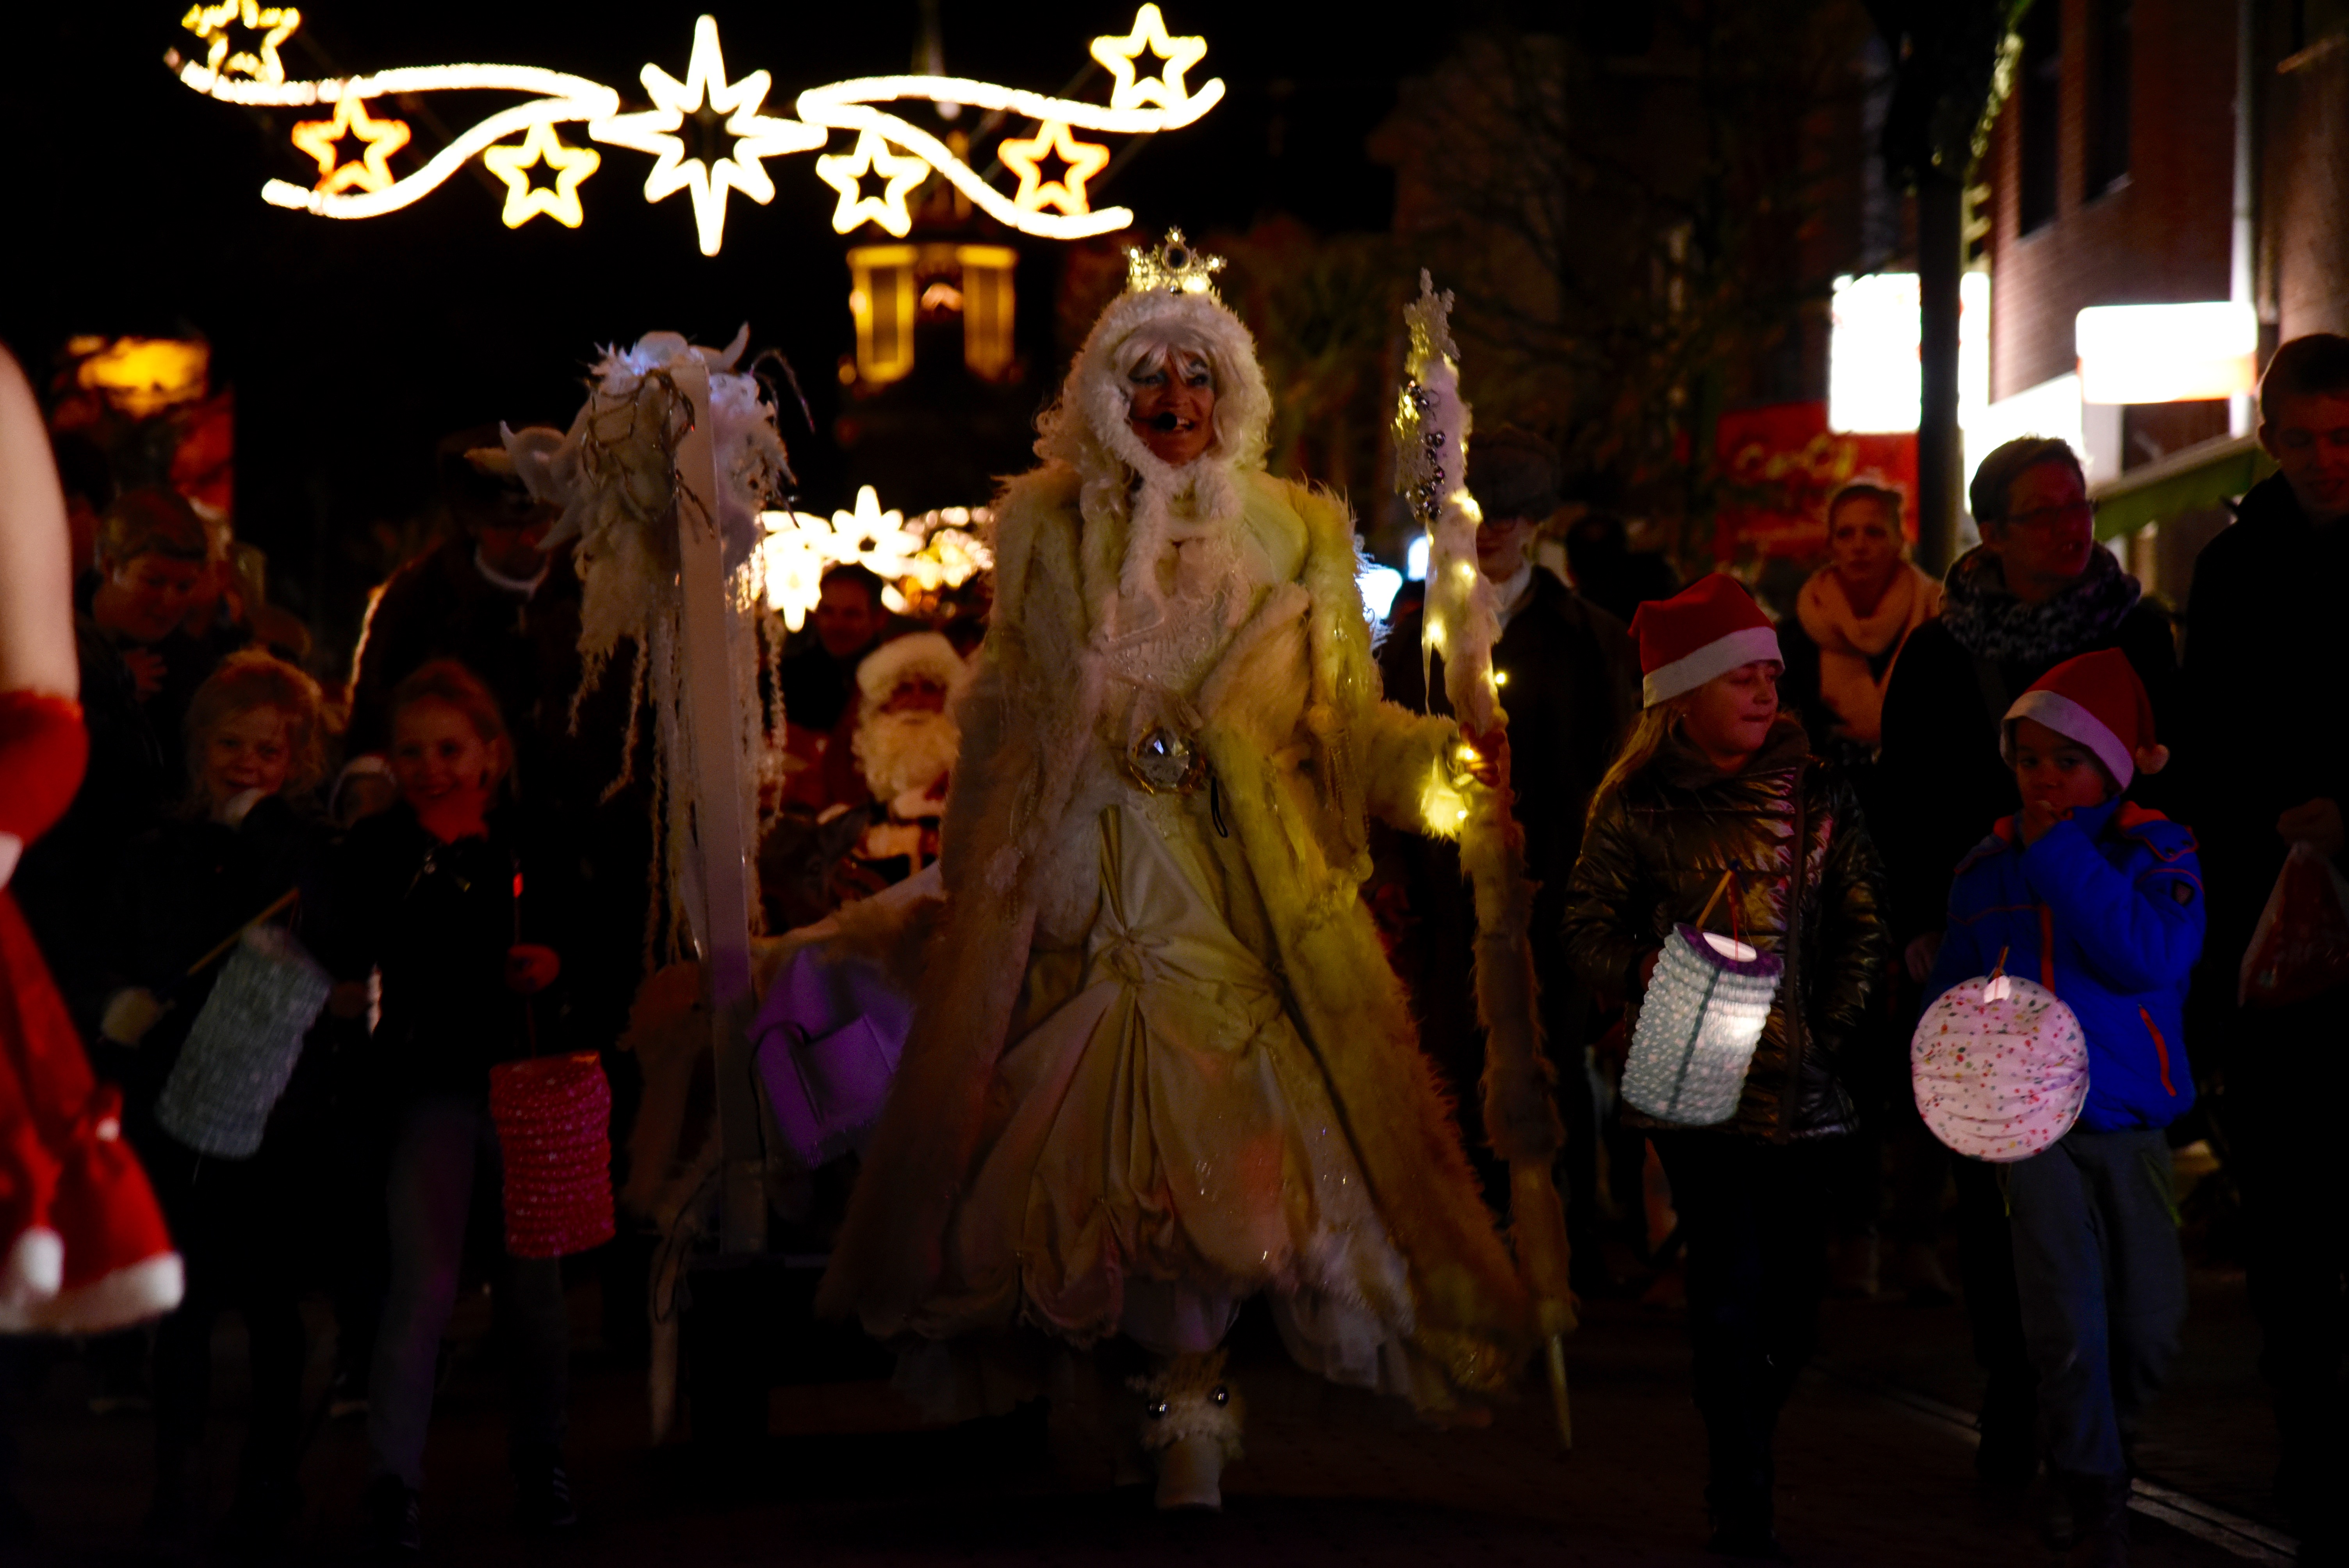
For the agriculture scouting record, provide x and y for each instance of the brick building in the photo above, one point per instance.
(2117, 167)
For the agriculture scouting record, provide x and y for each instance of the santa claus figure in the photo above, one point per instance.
(82, 1246)
(1158, 1063)
(905, 746)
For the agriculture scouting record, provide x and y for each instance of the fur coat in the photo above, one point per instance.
(1301, 747)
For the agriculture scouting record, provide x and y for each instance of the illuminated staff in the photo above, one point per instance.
(1462, 622)
(901, 153)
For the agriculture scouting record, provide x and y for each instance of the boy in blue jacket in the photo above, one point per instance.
(2101, 901)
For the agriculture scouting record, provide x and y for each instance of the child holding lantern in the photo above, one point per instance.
(456, 902)
(245, 848)
(1714, 818)
(2099, 900)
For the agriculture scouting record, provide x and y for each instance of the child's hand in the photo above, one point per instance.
(531, 968)
(2039, 816)
(146, 667)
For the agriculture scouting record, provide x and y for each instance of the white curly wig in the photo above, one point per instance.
(1086, 427)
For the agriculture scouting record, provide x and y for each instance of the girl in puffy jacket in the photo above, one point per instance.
(1715, 804)
(2101, 901)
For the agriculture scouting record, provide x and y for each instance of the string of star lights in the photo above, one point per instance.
(888, 149)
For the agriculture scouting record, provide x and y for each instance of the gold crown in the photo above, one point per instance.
(1174, 266)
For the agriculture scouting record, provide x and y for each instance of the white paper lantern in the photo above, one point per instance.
(1999, 1067)
(1703, 1013)
(242, 1045)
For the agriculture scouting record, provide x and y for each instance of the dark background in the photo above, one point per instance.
(134, 207)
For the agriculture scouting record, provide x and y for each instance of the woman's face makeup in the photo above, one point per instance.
(1172, 405)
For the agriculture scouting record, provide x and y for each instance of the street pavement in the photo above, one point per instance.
(1875, 1467)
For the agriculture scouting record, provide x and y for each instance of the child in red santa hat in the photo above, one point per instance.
(1715, 816)
(2101, 901)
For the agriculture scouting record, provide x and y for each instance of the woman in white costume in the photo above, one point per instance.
(1160, 1064)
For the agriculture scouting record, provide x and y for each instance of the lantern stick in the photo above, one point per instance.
(282, 901)
(1558, 1400)
(1718, 888)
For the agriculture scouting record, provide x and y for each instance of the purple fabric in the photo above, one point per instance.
(828, 1038)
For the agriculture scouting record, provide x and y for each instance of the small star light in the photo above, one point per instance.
(276, 24)
(382, 138)
(1084, 160)
(756, 135)
(1175, 267)
(876, 540)
(844, 172)
(511, 163)
(1118, 55)
(794, 568)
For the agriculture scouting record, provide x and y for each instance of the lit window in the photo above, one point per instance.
(987, 294)
(882, 300)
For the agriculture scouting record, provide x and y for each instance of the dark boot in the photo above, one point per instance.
(543, 1498)
(392, 1522)
(2100, 1521)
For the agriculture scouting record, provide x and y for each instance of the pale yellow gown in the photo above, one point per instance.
(1161, 1143)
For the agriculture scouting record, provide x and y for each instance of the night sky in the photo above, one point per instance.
(135, 208)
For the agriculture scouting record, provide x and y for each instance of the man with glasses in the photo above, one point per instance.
(2037, 592)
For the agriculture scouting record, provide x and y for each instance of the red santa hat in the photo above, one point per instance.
(2096, 700)
(1708, 628)
(917, 655)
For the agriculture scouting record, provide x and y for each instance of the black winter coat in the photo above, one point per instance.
(2262, 734)
(1940, 782)
(1655, 852)
(1572, 689)
(439, 919)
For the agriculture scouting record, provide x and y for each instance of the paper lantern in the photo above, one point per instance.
(1703, 1013)
(553, 1115)
(1999, 1067)
(241, 1047)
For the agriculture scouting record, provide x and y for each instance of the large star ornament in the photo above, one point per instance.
(1119, 55)
(1026, 158)
(845, 171)
(276, 24)
(513, 163)
(371, 171)
(756, 135)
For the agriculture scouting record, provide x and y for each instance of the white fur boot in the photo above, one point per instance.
(1191, 1426)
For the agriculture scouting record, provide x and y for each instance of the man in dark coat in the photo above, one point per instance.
(2267, 763)
(1570, 685)
(2038, 591)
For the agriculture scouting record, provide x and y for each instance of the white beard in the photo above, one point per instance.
(903, 752)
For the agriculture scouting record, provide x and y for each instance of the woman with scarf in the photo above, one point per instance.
(1159, 1064)
(1855, 615)
(2038, 591)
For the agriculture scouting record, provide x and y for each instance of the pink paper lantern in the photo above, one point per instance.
(1999, 1067)
(553, 1115)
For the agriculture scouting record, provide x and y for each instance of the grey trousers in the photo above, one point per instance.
(2103, 1286)
(442, 1146)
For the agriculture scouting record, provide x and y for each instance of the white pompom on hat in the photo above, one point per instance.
(1707, 629)
(2098, 701)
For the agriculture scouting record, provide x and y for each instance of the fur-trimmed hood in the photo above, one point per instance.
(1086, 431)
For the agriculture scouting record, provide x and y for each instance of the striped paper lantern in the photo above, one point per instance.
(1702, 1018)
